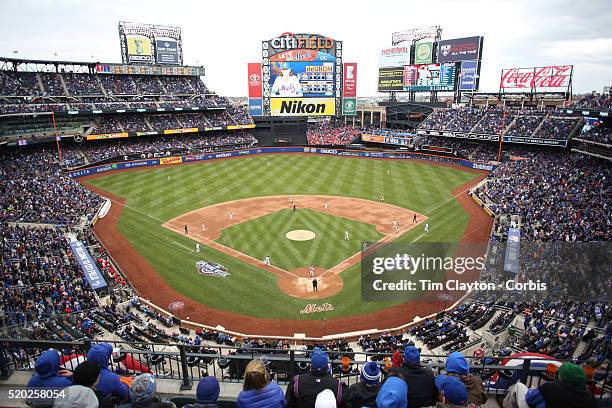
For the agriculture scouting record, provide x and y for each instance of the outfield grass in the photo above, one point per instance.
(156, 195)
(265, 236)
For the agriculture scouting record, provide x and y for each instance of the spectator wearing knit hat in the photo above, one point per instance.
(393, 393)
(87, 374)
(76, 396)
(207, 393)
(142, 394)
(363, 393)
(420, 380)
(303, 390)
(457, 365)
(569, 391)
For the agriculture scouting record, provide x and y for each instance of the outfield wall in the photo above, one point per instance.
(267, 150)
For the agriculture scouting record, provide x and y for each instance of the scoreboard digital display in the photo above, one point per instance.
(429, 77)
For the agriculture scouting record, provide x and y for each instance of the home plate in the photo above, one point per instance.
(300, 235)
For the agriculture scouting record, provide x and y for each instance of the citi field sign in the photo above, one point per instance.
(290, 41)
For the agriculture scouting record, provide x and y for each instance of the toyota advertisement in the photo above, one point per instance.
(255, 93)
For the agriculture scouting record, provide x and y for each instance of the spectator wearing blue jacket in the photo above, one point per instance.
(258, 390)
(48, 375)
(109, 383)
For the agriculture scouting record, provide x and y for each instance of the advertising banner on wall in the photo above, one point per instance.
(423, 52)
(552, 76)
(349, 89)
(302, 106)
(166, 51)
(468, 80)
(459, 49)
(394, 57)
(254, 78)
(88, 266)
(349, 106)
(513, 251)
(255, 106)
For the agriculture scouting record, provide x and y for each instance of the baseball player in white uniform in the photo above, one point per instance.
(197, 247)
(426, 227)
(286, 84)
(326, 205)
(267, 260)
(346, 235)
(231, 215)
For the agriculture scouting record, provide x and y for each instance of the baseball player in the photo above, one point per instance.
(326, 205)
(197, 247)
(186, 230)
(315, 285)
(267, 260)
(294, 207)
(311, 271)
(395, 225)
(426, 227)
(414, 220)
(286, 84)
(268, 164)
(231, 215)
(388, 173)
(382, 197)
(203, 227)
(290, 200)
(346, 235)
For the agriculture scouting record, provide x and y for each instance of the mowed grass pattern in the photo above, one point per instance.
(156, 195)
(265, 236)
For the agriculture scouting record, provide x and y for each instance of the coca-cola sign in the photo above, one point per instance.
(552, 76)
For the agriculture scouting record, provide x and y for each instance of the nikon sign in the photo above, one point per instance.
(302, 106)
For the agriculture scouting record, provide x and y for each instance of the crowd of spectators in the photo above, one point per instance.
(525, 124)
(33, 189)
(599, 134)
(559, 196)
(40, 276)
(593, 101)
(189, 143)
(554, 127)
(331, 133)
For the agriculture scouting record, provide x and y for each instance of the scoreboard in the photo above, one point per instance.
(429, 77)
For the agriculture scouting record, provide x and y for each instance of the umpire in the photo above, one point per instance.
(304, 388)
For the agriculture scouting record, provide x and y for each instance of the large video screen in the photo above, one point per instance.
(150, 44)
(417, 78)
(429, 77)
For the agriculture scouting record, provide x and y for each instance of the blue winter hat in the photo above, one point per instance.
(412, 355)
(393, 394)
(456, 363)
(452, 388)
(370, 373)
(208, 390)
(318, 360)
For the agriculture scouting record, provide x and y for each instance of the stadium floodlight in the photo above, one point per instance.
(416, 34)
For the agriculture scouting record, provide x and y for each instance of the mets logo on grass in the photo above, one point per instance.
(314, 308)
(302, 106)
(212, 269)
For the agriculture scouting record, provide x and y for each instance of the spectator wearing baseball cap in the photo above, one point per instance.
(207, 393)
(364, 393)
(453, 392)
(457, 365)
(393, 393)
(87, 374)
(420, 380)
(568, 391)
(303, 390)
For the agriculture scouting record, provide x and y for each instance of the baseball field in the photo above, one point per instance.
(240, 211)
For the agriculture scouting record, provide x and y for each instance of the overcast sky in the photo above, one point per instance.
(225, 35)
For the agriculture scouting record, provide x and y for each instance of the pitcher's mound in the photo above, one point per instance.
(300, 235)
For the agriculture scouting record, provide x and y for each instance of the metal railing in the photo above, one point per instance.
(190, 363)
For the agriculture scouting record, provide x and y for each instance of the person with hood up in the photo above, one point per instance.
(48, 375)
(207, 393)
(258, 391)
(569, 391)
(453, 392)
(457, 366)
(420, 380)
(393, 393)
(325, 399)
(303, 390)
(109, 383)
(363, 393)
(142, 394)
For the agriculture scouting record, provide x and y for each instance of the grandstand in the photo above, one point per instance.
(89, 156)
